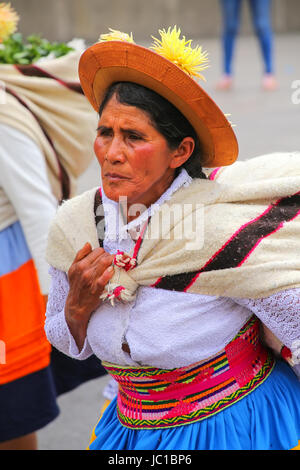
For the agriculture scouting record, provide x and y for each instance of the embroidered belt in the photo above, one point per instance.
(155, 398)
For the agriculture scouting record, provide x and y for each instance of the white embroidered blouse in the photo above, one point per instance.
(164, 329)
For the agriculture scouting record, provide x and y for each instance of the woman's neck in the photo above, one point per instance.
(133, 209)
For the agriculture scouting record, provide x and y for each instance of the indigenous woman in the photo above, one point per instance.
(167, 274)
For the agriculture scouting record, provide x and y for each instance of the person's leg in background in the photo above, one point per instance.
(231, 12)
(28, 442)
(261, 17)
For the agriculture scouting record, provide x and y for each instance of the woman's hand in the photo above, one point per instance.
(88, 275)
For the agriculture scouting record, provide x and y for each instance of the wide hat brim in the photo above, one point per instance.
(108, 62)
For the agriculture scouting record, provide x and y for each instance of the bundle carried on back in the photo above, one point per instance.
(44, 100)
(249, 246)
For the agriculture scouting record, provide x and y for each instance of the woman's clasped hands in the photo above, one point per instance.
(88, 275)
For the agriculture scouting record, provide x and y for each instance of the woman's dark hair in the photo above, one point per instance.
(165, 117)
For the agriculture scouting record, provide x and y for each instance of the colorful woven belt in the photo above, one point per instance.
(155, 398)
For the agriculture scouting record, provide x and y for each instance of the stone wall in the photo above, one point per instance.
(65, 19)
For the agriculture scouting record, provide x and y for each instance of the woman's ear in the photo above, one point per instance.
(183, 152)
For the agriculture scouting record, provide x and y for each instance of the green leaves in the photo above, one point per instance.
(14, 50)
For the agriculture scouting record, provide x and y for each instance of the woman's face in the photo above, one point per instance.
(135, 158)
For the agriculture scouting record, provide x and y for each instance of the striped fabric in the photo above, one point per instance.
(35, 71)
(235, 252)
(22, 309)
(63, 175)
(153, 398)
(46, 103)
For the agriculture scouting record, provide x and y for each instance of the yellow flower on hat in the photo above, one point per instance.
(115, 35)
(180, 52)
(8, 21)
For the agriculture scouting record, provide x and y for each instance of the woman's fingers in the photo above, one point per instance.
(89, 274)
(98, 283)
(100, 263)
(105, 278)
(89, 257)
(83, 252)
(95, 264)
(89, 269)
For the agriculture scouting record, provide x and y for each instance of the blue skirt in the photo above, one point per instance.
(266, 419)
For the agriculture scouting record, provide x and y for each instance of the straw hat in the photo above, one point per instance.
(117, 58)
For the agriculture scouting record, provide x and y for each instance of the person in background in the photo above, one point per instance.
(46, 130)
(261, 18)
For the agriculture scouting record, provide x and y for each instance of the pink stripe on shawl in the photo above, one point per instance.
(236, 233)
(214, 173)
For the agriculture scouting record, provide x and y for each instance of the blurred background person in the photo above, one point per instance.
(261, 18)
(46, 132)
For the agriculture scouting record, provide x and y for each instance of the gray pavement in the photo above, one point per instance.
(265, 122)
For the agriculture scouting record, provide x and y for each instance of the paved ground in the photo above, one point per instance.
(265, 122)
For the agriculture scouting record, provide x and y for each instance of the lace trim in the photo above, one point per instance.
(280, 313)
(56, 328)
